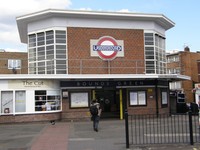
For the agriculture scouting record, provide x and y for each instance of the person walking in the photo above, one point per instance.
(95, 111)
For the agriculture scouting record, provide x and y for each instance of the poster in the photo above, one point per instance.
(142, 98)
(133, 98)
(164, 97)
(79, 100)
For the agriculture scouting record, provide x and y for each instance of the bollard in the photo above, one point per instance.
(126, 128)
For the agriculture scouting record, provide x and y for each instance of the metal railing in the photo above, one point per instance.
(76, 66)
(162, 129)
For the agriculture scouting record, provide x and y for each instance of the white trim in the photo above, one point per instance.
(61, 12)
(93, 76)
(47, 29)
(36, 112)
(24, 22)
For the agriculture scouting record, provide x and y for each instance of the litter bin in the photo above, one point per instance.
(194, 108)
(182, 108)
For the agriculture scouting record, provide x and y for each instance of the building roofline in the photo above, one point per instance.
(93, 77)
(23, 21)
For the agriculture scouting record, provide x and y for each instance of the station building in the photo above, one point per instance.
(76, 56)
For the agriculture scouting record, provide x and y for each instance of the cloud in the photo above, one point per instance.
(89, 9)
(10, 9)
(21, 7)
(124, 10)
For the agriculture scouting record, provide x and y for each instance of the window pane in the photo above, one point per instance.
(51, 47)
(60, 56)
(133, 98)
(61, 36)
(61, 71)
(7, 102)
(142, 98)
(14, 63)
(60, 46)
(20, 101)
(47, 100)
(60, 41)
(61, 66)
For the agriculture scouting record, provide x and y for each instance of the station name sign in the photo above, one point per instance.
(105, 83)
(107, 48)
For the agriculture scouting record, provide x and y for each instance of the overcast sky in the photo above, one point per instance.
(185, 14)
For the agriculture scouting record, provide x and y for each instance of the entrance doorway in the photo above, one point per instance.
(109, 101)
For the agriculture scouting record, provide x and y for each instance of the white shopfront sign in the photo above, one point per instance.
(33, 84)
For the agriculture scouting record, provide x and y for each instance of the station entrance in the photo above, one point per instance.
(109, 101)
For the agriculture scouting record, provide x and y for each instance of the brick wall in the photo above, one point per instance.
(189, 63)
(78, 40)
(151, 104)
(30, 117)
(189, 66)
(83, 113)
(4, 56)
(75, 113)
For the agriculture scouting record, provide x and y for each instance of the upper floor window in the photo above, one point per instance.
(175, 85)
(47, 52)
(174, 71)
(155, 57)
(14, 64)
(174, 58)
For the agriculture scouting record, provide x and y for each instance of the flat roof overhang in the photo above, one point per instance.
(23, 21)
(67, 77)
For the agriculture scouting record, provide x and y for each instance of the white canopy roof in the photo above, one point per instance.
(25, 20)
(94, 76)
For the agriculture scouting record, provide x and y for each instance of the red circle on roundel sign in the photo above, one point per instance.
(104, 55)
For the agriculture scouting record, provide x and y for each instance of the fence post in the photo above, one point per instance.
(126, 128)
(190, 128)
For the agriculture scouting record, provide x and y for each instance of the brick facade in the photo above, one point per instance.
(78, 40)
(4, 56)
(29, 117)
(188, 66)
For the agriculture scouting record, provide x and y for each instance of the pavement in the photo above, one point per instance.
(74, 136)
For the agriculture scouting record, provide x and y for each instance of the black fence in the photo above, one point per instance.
(162, 129)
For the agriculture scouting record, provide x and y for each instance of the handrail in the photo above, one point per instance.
(78, 66)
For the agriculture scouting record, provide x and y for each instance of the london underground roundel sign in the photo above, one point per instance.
(107, 48)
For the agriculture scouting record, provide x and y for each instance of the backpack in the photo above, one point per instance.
(94, 110)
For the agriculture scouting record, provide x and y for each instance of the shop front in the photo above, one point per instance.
(29, 100)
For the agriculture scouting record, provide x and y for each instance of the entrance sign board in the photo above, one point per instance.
(107, 48)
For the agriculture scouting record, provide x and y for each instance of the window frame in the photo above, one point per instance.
(137, 92)
(14, 63)
(164, 96)
(41, 98)
(72, 102)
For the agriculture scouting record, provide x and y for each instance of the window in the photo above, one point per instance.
(175, 85)
(47, 47)
(14, 64)
(47, 100)
(155, 56)
(174, 71)
(137, 98)
(7, 102)
(164, 98)
(174, 58)
(20, 101)
(79, 99)
(32, 40)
